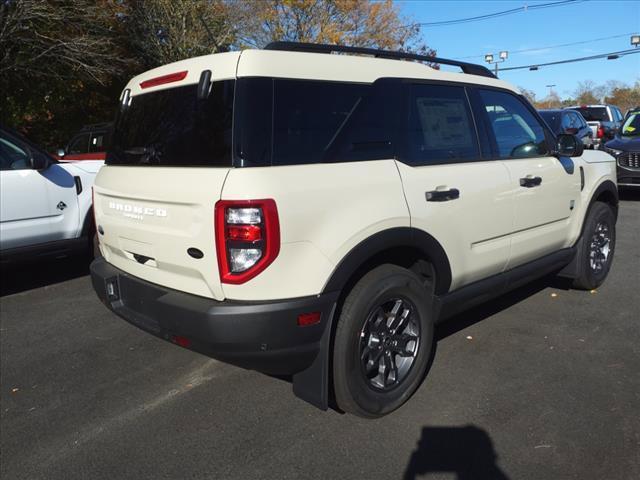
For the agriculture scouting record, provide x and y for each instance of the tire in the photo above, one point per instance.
(596, 248)
(362, 387)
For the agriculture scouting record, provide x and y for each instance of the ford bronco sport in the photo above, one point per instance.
(314, 210)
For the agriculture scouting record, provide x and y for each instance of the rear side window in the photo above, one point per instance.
(440, 127)
(518, 134)
(294, 122)
(173, 127)
(308, 117)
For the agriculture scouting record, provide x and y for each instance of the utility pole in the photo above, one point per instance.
(550, 87)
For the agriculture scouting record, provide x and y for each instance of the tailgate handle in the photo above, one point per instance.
(141, 258)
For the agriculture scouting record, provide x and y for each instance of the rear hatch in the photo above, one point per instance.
(154, 200)
(594, 116)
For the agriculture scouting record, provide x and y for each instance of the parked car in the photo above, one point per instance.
(569, 122)
(604, 121)
(314, 215)
(625, 147)
(45, 205)
(90, 143)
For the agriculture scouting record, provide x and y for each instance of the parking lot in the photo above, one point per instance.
(540, 384)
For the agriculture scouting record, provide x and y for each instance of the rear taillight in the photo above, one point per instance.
(247, 238)
(600, 133)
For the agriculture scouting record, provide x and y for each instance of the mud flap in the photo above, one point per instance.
(312, 384)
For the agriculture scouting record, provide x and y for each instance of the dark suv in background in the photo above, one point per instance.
(625, 147)
(604, 120)
(569, 122)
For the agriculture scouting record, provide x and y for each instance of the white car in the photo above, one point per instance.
(45, 205)
(313, 214)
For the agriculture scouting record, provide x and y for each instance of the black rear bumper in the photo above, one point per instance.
(262, 336)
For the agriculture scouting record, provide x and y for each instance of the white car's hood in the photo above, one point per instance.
(88, 166)
(597, 156)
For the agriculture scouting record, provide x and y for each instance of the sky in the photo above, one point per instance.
(579, 21)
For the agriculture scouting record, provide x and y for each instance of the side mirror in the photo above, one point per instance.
(568, 146)
(38, 162)
(61, 153)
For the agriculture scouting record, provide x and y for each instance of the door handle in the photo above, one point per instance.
(442, 195)
(530, 182)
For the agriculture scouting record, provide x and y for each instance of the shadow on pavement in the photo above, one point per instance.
(486, 310)
(466, 451)
(19, 277)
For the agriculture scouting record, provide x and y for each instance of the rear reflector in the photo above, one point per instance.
(306, 319)
(170, 78)
(181, 341)
(246, 233)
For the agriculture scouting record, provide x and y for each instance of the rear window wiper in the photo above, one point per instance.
(149, 154)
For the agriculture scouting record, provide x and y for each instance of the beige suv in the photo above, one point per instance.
(314, 210)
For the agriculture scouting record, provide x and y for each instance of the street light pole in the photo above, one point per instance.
(489, 59)
(550, 87)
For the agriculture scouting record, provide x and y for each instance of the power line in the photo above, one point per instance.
(552, 46)
(502, 13)
(572, 60)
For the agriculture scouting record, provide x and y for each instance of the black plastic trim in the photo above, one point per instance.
(262, 336)
(58, 248)
(496, 285)
(386, 240)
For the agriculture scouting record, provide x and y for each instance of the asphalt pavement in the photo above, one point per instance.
(543, 383)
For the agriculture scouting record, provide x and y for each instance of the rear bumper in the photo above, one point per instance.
(262, 336)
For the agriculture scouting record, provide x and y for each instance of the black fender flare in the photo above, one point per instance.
(572, 269)
(387, 239)
(313, 383)
(88, 226)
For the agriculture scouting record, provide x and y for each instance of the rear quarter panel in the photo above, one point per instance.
(324, 210)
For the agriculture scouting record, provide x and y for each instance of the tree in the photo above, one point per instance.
(60, 65)
(62, 40)
(588, 93)
(165, 31)
(528, 94)
(550, 101)
(625, 97)
(358, 23)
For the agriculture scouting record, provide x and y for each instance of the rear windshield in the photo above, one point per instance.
(552, 119)
(593, 114)
(173, 127)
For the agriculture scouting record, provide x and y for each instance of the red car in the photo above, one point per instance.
(90, 143)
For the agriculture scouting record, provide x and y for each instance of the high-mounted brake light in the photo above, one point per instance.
(170, 78)
(247, 238)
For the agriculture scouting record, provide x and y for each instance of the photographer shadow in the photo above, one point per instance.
(466, 451)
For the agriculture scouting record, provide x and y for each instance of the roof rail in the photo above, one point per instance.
(469, 68)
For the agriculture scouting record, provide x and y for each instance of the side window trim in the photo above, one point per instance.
(488, 145)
